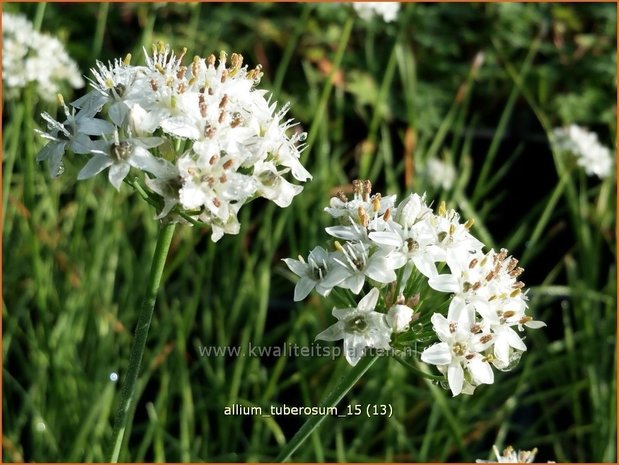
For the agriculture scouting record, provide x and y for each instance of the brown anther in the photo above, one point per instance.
(341, 196)
(213, 159)
(502, 254)
(222, 115)
(202, 105)
(224, 75)
(236, 60)
(518, 285)
(364, 219)
(515, 293)
(228, 164)
(202, 89)
(224, 101)
(485, 338)
(223, 178)
(182, 87)
(210, 60)
(473, 263)
(209, 131)
(490, 276)
(217, 202)
(475, 328)
(211, 91)
(387, 214)
(181, 72)
(153, 85)
(525, 319)
(356, 186)
(516, 272)
(367, 189)
(491, 298)
(453, 326)
(469, 356)
(512, 264)
(192, 171)
(476, 286)
(235, 122)
(210, 180)
(509, 314)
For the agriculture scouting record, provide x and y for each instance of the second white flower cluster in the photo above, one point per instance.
(395, 252)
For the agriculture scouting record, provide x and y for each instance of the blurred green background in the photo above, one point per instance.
(475, 85)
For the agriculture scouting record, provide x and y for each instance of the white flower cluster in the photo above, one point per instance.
(29, 56)
(389, 247)
(368, 10)
(585, 146)
(509, 455)
(208, 140)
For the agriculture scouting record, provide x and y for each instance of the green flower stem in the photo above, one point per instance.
(164, 238)
(344, 385)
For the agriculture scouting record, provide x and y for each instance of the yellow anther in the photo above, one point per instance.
(127, 60)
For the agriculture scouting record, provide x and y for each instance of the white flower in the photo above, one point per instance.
(387, 10)
(453, 239)
(114, 85)
(362, 206)
(360, 327)
(399, 318)
(29, 56)
(509, 455)
(319, 272)
(120, 155)
(440, 174)
(590, 154)
(358, 263)
(460, 349)
(70, 135)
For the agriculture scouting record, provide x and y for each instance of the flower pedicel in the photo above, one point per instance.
(404, 264)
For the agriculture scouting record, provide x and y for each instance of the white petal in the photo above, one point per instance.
(481, 371)
(535, 324)
(368, 303)
(444, 283)
(440, 324)
(95, 165)
(332, 333)
(455, 377)
(118, 172)
(343, 232)
(95, 127)
(303, 288)
(386, 238)
(118, 112)
(354, 283)
(180, 126)
(379, 271)
(143, 160)
(296, 266)
(437, 354)
(514, 340)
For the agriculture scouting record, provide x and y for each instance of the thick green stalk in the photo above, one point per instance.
(344, 385)
(164, 239)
